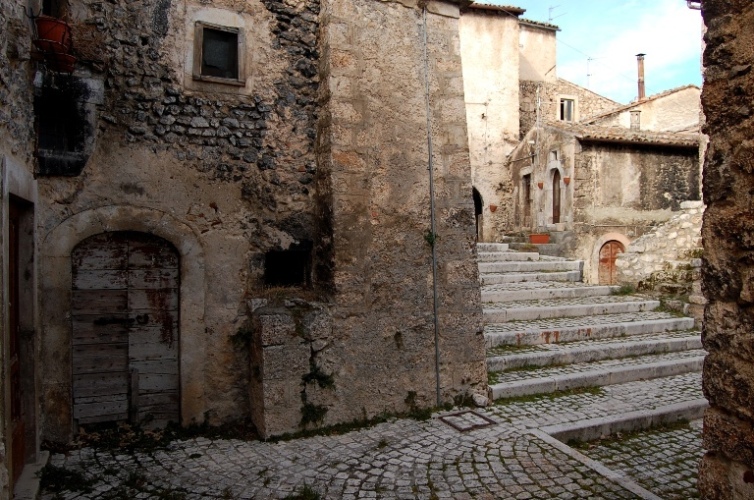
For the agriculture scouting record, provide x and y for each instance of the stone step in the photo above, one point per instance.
(507, 256)
(539, 290)
(492, 247)
(530, 267)
(512, 357)
(500, 278)
(548, 331)
(560, 308)
(599, 373)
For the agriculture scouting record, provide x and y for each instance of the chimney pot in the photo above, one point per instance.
(640, 62)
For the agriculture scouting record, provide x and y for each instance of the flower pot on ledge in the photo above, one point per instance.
(539, 238)
(53, 35)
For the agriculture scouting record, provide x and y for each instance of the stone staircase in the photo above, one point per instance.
(547, 331)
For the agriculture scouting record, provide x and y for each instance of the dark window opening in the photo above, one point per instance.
(52, 8)
(58, 123)
(567, 110)
(220, 53)
(62, 126)
(290, 267)
(478, 204)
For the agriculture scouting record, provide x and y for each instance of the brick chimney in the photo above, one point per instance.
(640, 61)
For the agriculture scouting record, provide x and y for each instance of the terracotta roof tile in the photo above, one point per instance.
(539, 24)
(500, 8)
(619, 135)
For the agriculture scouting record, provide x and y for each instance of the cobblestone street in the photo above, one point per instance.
(444, 457)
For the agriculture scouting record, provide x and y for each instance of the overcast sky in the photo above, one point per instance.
(612, 32)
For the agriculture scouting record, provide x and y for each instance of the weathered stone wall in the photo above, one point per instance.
(727, 469)
(670, 111)
(538, 49)
(16, 148)
(489, 53)
(588, 103)
(228, 169)
(661, 259)
(373, 151)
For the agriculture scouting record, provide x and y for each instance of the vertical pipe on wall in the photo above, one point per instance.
(433, 235)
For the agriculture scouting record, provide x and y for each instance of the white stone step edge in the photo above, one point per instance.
(503, 315)
(500, 278)
(492, 247)
(618, 478)
(602, 427)
(508, 257)
(595, 377)
(545, 293)
(537, 336)
(594, 351)
(536, 266)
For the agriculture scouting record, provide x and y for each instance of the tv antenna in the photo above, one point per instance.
(550, 17)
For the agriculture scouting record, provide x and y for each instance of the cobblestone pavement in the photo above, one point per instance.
(663, 461)
(399, 459)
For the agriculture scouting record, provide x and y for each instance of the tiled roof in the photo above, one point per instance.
(539, 24)
(619, 135)
(500, 8)
(626, 107)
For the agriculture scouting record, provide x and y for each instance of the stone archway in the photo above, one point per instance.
(125, 336)
(607, 273)
(591, 271)
(55, 282)
(478, 207)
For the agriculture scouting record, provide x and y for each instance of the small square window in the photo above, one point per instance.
(218, 54)
(567, 110)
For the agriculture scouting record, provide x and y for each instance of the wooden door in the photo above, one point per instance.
(556, 198)
(18, 429)
(125, 329)
(608, 255)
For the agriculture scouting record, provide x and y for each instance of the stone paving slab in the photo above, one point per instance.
(521, 266)
(664, 461)
(498, 294)
(564, 308)
(592, 350)
(498, 278)
(401, 459)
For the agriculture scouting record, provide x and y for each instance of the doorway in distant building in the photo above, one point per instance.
(125, 329)
(608, 254)
(478, 204)
(20, 339)
(556, 198)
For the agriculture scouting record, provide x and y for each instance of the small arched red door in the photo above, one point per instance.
(608, 254)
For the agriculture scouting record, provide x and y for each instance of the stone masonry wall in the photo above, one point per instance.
(232, 166)
(373, 155)
(667, 250)
(588, 103)
(16, 144)
(727, 468)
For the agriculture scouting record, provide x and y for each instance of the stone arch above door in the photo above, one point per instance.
(55, 303)
(594, 262)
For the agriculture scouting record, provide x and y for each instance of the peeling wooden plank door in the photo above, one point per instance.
(608, 273)
(125, 329)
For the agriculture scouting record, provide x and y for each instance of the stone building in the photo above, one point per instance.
(727, 469)
(599, 181)
(219, 210)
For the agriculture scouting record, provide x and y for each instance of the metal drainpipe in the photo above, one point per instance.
(432, 209)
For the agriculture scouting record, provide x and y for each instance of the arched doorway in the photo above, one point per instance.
(478, 204)
(556, 197)
(124, 315)
(608, 254)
